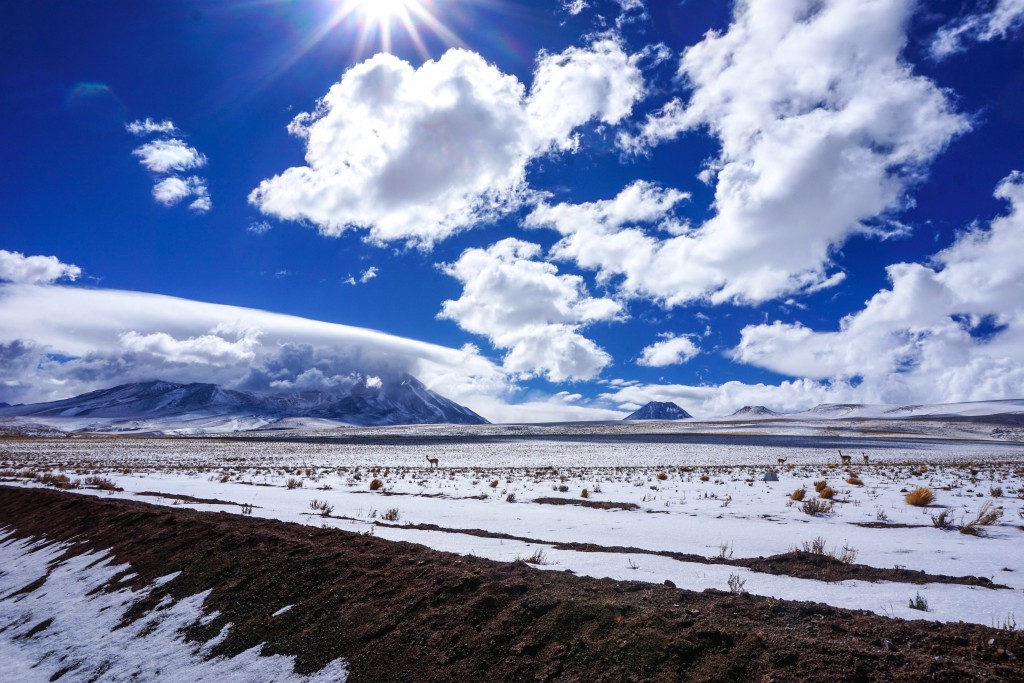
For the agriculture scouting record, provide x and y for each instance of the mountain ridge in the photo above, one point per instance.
(404, 400)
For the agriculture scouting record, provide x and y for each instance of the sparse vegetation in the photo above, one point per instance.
(820, 485)
(510, 498)
(376, 484)
(584, 493)
(827, 493)
(921, 497)
(919, 603)
(798, 495)
(102, 484)
(855, 481)
(538, 557)
(943, 520)
(987, 516)
(816, 507)
(293, 483)
(662, 476)
(996, 491)
(391, 515)
(736, 585)
(322, 507)
(494, 484)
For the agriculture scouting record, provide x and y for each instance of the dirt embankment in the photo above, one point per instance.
(400, 612)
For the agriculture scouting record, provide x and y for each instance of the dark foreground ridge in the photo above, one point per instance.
(401, 612)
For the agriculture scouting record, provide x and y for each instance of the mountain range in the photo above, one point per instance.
(404, 400)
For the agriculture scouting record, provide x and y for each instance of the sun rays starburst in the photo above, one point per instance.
(377, 21)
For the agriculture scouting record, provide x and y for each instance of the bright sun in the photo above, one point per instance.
(380, 18)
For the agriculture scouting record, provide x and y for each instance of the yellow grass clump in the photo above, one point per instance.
(376, 484)
(584, 494)
(855, 481)
(827, 493)
(662, 476)
(921, 497)
(798, 495)
(819, 485)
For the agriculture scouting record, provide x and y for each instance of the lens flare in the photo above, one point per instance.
(378, 20)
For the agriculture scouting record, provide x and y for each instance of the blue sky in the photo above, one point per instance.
(783, 202)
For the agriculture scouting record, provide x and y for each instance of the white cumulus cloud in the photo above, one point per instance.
(416, 154)
(525, 306)
(16, 267)
(823, 131)
(671, 350)
(210, 348)
(949, 330)
(166, 156)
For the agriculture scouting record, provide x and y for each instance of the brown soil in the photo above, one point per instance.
(597, 505)
(400, 612)
(187, 499)
(797, 563)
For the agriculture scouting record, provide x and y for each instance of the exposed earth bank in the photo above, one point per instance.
(400, 612)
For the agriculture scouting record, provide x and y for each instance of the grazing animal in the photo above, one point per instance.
(844, 458)
(432, 461)
(866, 459)
(782, 461)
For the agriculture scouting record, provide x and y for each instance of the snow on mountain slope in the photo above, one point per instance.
(862, 411)
(659, 410)
(754, 411)
(404, 400)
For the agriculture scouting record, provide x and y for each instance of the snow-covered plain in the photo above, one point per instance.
(82, 643)
(711, 501)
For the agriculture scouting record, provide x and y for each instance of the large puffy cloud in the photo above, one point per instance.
(416, 154)
(823, 130)
(523, 305)
(951, 330)
(991, 20)
(16, 267)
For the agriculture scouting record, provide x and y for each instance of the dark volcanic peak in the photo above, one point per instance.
(4, 405)
(404, 400)
(754, 411)
(659, 410)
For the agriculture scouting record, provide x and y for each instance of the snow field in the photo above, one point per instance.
(82, 639)
(701, 509)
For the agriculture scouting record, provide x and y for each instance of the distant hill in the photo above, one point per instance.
(754, 411)
(659, 410)
(4, 405)
(401, 401)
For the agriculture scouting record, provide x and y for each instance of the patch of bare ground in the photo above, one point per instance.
(400, 612)
(797, 563)
(188, 499)
(596, 504)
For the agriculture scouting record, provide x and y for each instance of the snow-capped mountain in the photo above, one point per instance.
(754, 411)
(658, 410)
(404, 400)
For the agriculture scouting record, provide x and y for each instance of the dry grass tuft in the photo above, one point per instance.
(102, 484)
(816, 507)
(798, 495)
(921, 497)
(705, 477)
(293, 483)
(391, 515)
(662, 476)
(584, 494)
(819, 485)
(828, 493)
(986, 517)
(855, 481)
(376, 484)
(943, 520)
